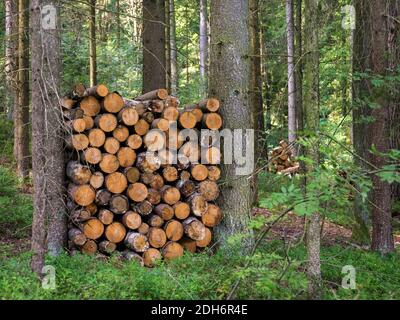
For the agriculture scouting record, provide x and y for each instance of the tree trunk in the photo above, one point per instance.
(154, 66)
(92, 44)
(174, 52)
(47, 141)
(229, 82)
(291, 73)
(256, 87)
(11, 61)
(21, 112)
(168, 45)
(299, 67)
(203, 43)
(311, 113)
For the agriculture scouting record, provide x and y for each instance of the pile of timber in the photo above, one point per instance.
(282, 159)
(121, 199)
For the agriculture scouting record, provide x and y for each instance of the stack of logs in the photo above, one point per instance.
(121, 198)
(282, 159)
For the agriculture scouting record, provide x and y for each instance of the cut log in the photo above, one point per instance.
(161, 94)
(148, 162)
(148, 117)
(133, 256)
(77, 237)
(77, 125)
(154, 140)
(103, 197)
(92, 155)
(121, 133)
(157, 106)
(83, 195)
(92, 208)
(132, 220)
(212, 121)
(109, 163)
(170, 195)
(187, 120)
(172, 250)
(198, 205)
(97, 137)
(128, 116)
(67, 103)
(173, 230)
(132, 174)
(80, 215)
(198, 114)
(172, 101)
(147, 178)
(185, 175)
(78, 91)
(77, 142)
(126, 157)
(206, 105)
(106, 217)
(107, 247)
(194, 229)
(144, 208)
(209, 190)
(90, 106)
(111, 145)
(212, 216)
(93, 229)
(170, 174)
(119, 204)
(151, 257)
(137, 192)
(113, 103)
(99, 91)
(155, 221)
(188, 244)
(106, 122)
(206, 241)
(170, 114)
(144, 228)
(142, 127)
(115, 232)
(89, 122)
(78, 173)
(134, 141)
(116, 182)
(154, 196)
(214, 173)
(165, 211)
(191, 151)
(186, 187)
(157, 183)
(72, 114)
(199, 172)
(157, 237)
(89, 248)
(212, 155)
(140, 106)
(97, 180)
(137, 242)
(160, 124)
(181, 210)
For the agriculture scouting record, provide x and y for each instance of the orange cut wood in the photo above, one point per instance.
(96, 137)
(111, 145)
(151, 256)
(173, 230)
(134, 141)
(126, 157)
(137, 192)
(132, 220)
(172, 250)
(113, 103)
(212, 216)
(115, 232)
(109, 163)
(157, 237)
(93, 229)
(106, 122)
(182, 210)
(92, 155)
(121, 133)
(128, 116)
(90, 106)
(116, 182)
(83, 195)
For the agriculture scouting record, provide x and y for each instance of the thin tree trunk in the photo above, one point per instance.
(291, 73)
(174, 52)
(256, 97)
(92, 44)
(168, 45)
(229, 82)
(47, 139)
(203, 43)
(118, 24)
(311, 115)
(21, 112)
(154, 64)
(11, 50)
(299, 67)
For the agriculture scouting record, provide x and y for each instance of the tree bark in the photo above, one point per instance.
(47, 141)
(11, 61)
(299, 67)
(92, 44)
(229, 82)
(203, 43)
(154, 64)
(168, 45)
(21, 112)
(311, 116)
(291, 73)
(174, 52)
